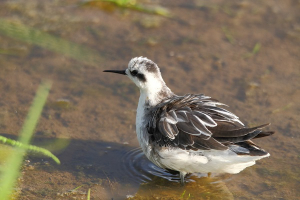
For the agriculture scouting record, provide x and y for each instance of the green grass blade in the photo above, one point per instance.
(228, 35)
(254, 51)
(76, 188)
(134, 5)
(53, 43)
(11, 169)
(29, 147)
(34, 112)
(89, 194)
(182, 195)
(256, 48)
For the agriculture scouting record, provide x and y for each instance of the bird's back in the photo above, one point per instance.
(192, 129)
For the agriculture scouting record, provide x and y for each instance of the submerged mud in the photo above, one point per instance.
(245, 54)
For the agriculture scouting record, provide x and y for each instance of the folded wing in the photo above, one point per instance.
(195, 122)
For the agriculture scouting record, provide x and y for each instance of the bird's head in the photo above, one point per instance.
(144, 73)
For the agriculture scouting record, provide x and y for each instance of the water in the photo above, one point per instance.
(140, 169)
(245, 54)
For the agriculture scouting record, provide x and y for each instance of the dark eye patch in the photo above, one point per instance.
(134, 72)
(141, 77)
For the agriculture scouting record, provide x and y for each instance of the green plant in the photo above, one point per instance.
(129, 4)
(45, 40)
(254, 51)
(11, 169)
(29, 147)
(89, 194)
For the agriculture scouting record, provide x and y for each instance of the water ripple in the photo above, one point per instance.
(141, 170)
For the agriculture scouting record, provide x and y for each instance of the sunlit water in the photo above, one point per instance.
(243, 53)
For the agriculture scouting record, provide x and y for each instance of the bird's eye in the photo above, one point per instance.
(134, 72)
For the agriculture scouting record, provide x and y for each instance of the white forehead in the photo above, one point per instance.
(136, 61)
(142, 64)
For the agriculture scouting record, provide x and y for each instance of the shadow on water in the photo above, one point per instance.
(125, 171)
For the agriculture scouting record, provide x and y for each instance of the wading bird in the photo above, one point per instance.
(189, 133)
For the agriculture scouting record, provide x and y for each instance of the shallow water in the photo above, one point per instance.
(243, 53)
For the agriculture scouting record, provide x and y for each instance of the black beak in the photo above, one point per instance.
(116, 71)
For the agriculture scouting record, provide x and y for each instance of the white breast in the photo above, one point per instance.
(141, 130)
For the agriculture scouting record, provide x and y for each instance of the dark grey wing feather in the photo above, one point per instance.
(223, 114)
(185, 140)
(264, 134)
(199, 124)
(171, 119)
(208, 144)
(249, 136)
(190, 128)
(166, 129)
(237, 132)
(181, 116)
(206, 119)
(173, 114)
(195, 122)
(248, 148)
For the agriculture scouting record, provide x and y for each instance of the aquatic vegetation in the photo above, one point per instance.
(10, 52)
(192, 44)
(254, 51)
(60, 104)
(228, 35)
(183, 195)
(45, 40)
(110, 5)
(225, 8)
(89, 194)
(256, 48)
(10, 171)
(150, 22)
(75, 192)
(284, 108)
(29, 147)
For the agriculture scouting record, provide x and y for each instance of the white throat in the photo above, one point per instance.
(151, 95)
(154, 93)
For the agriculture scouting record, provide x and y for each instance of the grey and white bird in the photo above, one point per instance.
(189, 133)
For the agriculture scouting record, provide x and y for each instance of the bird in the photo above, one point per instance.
(192, 133)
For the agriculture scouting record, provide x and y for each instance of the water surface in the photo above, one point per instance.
(243, 53)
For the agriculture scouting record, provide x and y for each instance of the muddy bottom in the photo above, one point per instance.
(243, 53)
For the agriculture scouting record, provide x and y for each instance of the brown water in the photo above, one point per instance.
(244, 53)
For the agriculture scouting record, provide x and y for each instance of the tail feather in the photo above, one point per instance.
(264, 134)
(252, 149)
(242, 134)
(249, 136)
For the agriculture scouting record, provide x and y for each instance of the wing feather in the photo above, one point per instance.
(181, 116)
(195, 122)
(238, 132)
(165, 129)
(170, 119)
(208, 144)
(206, 119)
(189, 128)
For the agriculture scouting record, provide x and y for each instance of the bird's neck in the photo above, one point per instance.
(152, 96)
(149, 97)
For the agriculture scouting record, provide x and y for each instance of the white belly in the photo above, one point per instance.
(214, 161)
